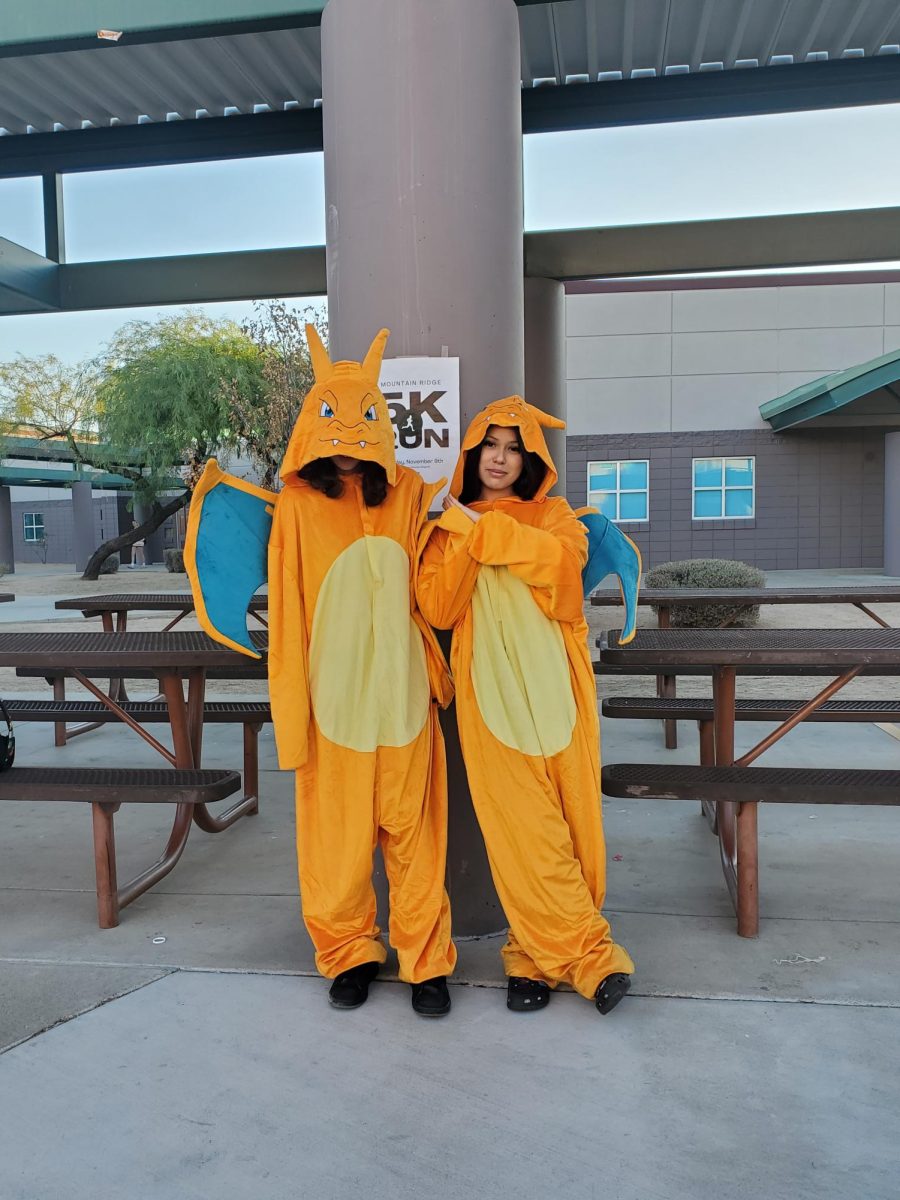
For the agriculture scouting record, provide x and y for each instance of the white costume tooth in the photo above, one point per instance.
(362, 445)
(334, 441)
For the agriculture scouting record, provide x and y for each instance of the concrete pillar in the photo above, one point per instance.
(423, 196)
(7, 545)
(892, 503)
(84, 540)
(545, 361)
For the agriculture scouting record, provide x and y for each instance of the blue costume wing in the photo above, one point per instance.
(226, 553)
(611, 552)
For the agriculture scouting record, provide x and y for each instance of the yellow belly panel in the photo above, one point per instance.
(367, 672)
(520, 672)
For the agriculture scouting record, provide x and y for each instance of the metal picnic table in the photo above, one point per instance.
(120, 604)
(724, 653)
(172, 658)
(667, 599)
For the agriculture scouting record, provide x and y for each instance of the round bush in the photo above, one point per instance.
(708, 573)
(175, 561)
(110, 565)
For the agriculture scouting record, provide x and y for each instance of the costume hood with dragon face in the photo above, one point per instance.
(343, 413)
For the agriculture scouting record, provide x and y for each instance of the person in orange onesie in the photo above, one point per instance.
(355, 679)
(502, 569)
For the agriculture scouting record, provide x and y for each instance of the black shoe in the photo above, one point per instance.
(351, 988)
(610, 992)
(430, 998)
(526, 995)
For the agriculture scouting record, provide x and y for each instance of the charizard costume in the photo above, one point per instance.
(355, 672)
(510, 586)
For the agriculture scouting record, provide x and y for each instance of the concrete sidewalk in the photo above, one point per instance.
(191, 1051)
(238, 1086)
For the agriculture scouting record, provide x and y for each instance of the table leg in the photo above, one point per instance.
(736, 822)
(59, 694)
(707, 731)
(667, 685)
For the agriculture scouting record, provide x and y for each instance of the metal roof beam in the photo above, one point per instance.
(734, 244)
(55, 25)
(193, 278)
(713, 94)
(296, 131)
(28, 282)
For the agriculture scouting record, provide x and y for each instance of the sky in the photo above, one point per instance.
(798, 162)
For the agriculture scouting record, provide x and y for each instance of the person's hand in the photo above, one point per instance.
(451, 502)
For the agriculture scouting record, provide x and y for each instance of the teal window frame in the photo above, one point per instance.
(722, 489)
(36, 529)
(619, 491)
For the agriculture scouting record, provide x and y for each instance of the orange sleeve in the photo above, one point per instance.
(447, 571)
(549, 559)
(288, 660)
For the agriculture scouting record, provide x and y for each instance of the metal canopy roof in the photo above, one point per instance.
(56, 85)
(868, 394)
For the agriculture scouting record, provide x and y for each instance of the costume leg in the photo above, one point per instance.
(411, 792)
(336, 832)
(517, 962)
(547, 900)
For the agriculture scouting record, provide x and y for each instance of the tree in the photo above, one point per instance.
(152, 408)
(264, 421)
(51, 399)
(164, 400)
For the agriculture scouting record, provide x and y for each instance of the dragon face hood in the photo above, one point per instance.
(343, 413)
(531, 422)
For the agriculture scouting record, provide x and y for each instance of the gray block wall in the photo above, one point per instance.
(58, 527)
(819, 496)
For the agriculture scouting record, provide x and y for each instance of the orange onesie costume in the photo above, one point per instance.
(353, 675)
(509, 586)
(355, 671)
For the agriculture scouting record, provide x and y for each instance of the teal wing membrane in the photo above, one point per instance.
(226, 553)
(611, 552)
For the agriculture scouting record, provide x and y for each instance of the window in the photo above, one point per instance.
(724, 487)
(34, 527)
(620, 489)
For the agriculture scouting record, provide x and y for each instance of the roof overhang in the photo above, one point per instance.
(864, 396)
(584, 63)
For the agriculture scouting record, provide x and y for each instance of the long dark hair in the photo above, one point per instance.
(323, 475)
(533, 471)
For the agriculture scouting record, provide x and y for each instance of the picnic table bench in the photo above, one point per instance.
(172, 658)
(736, 792)
(106, 790)
(668, 599)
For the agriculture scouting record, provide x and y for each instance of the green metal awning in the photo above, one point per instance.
(867, 395)
(45, 477)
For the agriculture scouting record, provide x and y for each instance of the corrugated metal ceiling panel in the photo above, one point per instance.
(150, 81)
(570, 41)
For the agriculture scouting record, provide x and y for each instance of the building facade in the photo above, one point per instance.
(664, 387)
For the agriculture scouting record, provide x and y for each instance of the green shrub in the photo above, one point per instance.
(110, 565)
(708, 573)
(175, 561)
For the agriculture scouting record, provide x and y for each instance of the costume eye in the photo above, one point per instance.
(371, 414)
(326, 410)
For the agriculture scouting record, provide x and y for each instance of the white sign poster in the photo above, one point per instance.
(423, 397)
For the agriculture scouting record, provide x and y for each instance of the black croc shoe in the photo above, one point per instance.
(526, 995)
(431, 998)
(610, 992)
(351, 988)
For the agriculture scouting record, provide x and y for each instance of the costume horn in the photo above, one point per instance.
(371, 365)
(318, 355)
